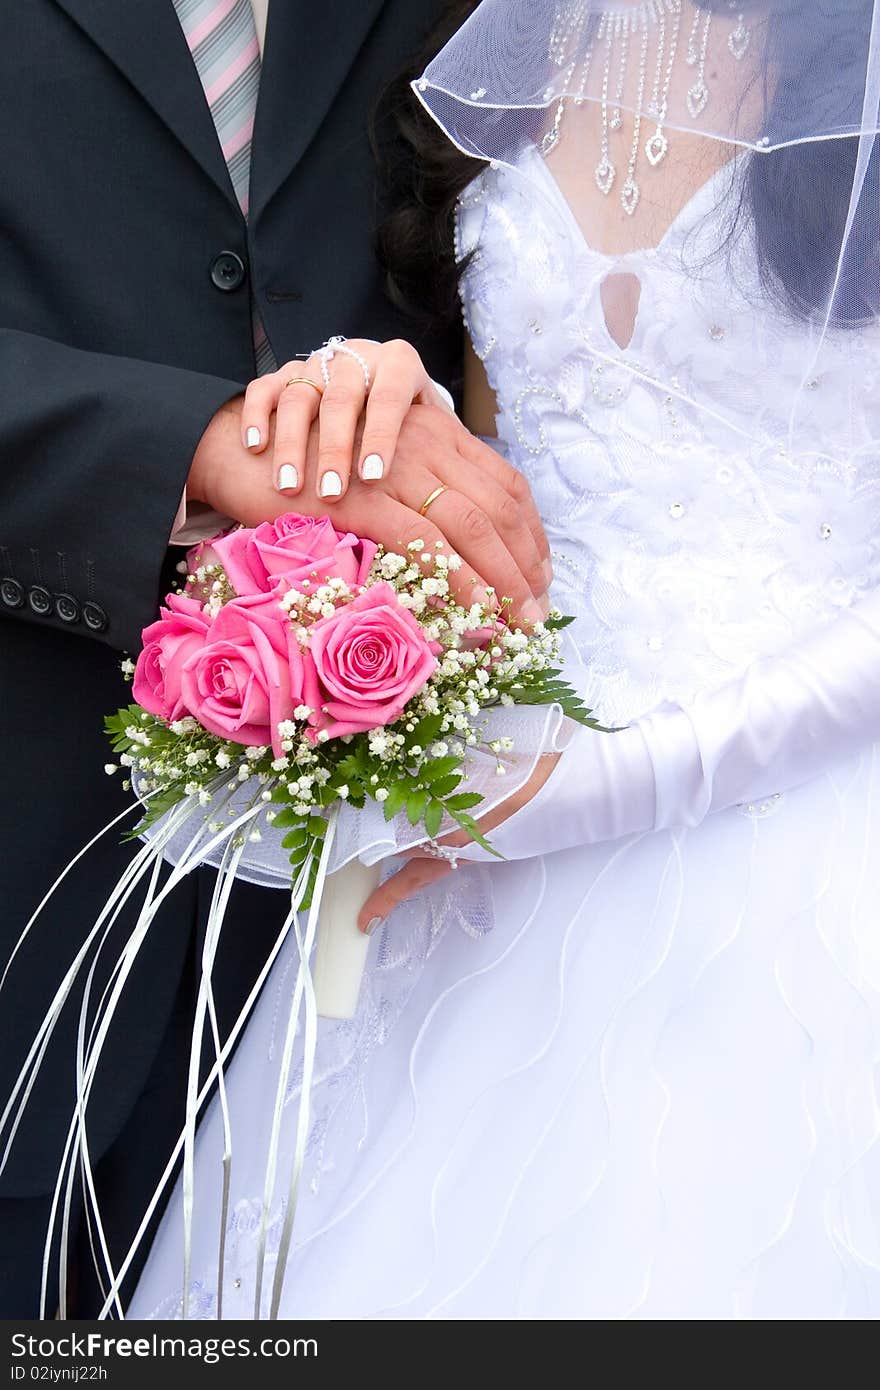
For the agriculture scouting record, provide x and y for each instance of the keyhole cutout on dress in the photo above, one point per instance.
(620, 294)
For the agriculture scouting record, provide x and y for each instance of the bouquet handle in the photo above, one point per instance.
(340, 949)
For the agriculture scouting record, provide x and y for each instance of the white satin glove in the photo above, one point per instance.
(788, 719)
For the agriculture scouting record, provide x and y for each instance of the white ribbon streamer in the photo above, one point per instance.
(303, 985)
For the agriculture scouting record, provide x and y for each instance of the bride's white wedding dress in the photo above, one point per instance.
(634, 1078)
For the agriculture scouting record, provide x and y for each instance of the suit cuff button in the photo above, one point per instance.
(94, 617)
(11, 593)
(40, 600)
(67, 608)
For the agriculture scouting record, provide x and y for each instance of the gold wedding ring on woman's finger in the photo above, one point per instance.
(432, 498)
(305, 381)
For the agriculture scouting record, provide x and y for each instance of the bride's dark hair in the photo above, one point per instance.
(796, 199)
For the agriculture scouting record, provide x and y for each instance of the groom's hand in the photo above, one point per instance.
(486, 513)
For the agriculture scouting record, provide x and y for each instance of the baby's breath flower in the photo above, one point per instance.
(110, 768)
(381, 793)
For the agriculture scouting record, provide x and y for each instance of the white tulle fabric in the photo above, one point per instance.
(633, 1079)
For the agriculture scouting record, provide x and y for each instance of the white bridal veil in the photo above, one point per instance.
(787, 92)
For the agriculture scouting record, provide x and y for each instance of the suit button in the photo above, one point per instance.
(228, 271)
(11, 593)
(67, 608)
(40, 600)
(94, 617)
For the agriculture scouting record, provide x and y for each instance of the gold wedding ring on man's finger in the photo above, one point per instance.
(432, 498)
(305, 381)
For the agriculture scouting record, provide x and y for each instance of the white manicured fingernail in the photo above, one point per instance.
(253, 437)
(287, 477)
(372, 468)
(371, 926)
(331, 484)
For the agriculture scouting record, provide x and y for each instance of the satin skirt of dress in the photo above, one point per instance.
(640, 1083)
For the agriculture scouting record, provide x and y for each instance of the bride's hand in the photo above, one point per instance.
(423, 867)
(382, 379)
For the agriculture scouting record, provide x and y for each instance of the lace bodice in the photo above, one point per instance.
(710, 490)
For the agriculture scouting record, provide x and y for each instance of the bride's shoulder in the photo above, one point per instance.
(509, 207)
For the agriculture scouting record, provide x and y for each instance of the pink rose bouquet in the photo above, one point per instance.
(311, 667)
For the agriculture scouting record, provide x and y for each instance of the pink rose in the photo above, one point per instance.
(370, 657)
(168, 644)
(292, 548)
(201, 554)
(250, 675)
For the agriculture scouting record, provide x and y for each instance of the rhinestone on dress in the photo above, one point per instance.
(654, 644)
(676, 510)
(236, 1283)
(825, 531)
(716, 332)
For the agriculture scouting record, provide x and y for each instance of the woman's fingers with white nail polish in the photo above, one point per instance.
(287, 478)
(298, 403)
(400, 379)
(259, 402)
(341, 407)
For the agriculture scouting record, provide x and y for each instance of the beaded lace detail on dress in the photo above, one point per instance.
(705, 501)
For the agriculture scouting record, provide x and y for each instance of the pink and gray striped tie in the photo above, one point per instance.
(222, 39)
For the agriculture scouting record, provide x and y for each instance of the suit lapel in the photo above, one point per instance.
(143, 38)
(310, 47)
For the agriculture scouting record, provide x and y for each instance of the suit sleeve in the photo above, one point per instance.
(94, 455)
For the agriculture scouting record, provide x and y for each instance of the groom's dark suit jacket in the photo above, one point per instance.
(127, 273)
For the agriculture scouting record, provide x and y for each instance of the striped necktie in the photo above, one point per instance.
(222, 39)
